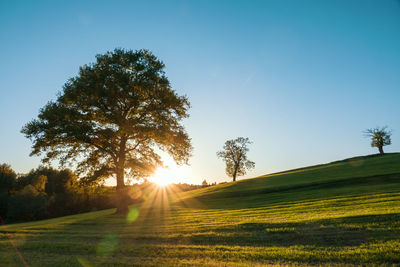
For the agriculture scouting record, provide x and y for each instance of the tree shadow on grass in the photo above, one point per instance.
(336, 232)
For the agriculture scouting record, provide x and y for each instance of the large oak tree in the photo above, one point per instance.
(112, 119)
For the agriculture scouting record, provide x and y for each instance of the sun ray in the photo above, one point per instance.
(176, 194)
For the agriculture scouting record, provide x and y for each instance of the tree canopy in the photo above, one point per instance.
(113, 118)
(7, 177)
(380, 137)
(234, 154)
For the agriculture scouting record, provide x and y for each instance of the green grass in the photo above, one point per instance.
(342, 213)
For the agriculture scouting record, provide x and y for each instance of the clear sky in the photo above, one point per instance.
(301, 79)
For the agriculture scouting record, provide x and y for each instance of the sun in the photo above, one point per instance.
(163, 177)
(171, 173)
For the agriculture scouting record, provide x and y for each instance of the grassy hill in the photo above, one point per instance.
(345, 212)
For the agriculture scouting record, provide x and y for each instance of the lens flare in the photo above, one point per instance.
(132, 215)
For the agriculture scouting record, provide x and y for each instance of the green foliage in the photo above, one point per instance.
(112, 115)
(56, 191)
(235, 157)
(7, 185)
(63, 181)
(7, 178)
(39, 182)
(27, 204)
(57, 182)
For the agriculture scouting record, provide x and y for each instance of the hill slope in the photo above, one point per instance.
(349, 171)
(345, 212)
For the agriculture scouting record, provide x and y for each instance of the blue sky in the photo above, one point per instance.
(301, 79)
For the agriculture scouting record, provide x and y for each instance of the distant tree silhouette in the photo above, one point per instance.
(7, 185)
(204, 183)
(380, 137)
(234, 154)
(7, 178)
(111, 118)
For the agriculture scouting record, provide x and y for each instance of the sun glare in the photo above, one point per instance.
(172, 173)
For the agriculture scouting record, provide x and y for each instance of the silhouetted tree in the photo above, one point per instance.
(235, 157)
(7, 184)
(111, 118)
(204, 183)
(380, 137)
(7, 178)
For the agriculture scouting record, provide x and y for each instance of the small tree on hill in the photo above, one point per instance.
(235, 157)
(380, 137)
(112, 118)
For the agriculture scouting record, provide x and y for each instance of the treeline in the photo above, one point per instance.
(47, 193)
(181, 187)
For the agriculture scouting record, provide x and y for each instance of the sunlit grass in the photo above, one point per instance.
(352, 217)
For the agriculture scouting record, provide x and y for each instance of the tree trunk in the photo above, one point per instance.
(234, 175)
(122, 203)
(381, 150)
(122, 198)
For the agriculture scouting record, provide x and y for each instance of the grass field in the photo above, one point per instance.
(342, 213)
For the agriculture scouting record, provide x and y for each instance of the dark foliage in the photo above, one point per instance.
(57, 181)
(7, 185)
(7, 178)
(234, 154)
(3, 204)
(110, 118)
(46, 193)
(27, 204)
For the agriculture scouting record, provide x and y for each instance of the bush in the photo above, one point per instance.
(3, 204)
(27, 204)
(7, 178)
